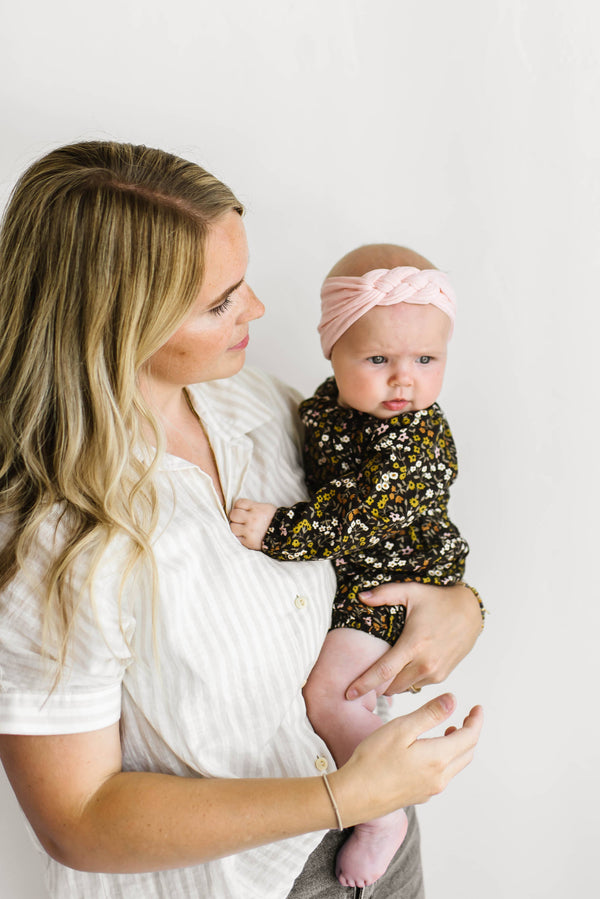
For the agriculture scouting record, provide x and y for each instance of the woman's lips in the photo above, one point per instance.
(242, 344)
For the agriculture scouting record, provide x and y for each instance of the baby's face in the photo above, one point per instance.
(392, 360)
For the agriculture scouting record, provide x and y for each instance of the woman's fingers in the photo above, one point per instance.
(468, 734)
(442, 623)
(430, 715)
(454, 751)
(474, 720)
(396, 671)
(457, 740)
(394, 593)
(462, 742)
(402, 766)
(385, 669)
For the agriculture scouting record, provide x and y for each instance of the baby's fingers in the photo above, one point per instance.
(238, 516)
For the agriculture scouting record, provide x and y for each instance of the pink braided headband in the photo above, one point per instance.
(345, 300)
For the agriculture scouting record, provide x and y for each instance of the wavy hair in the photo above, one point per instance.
(101, 257)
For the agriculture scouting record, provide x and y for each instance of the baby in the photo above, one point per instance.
(379, 460)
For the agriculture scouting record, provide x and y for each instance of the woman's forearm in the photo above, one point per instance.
(90, 815)
(146, 822)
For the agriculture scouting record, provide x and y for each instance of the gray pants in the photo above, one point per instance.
(402, 880)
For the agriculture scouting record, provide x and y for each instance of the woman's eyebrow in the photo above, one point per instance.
(226, 293)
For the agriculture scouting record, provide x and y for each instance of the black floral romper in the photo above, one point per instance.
(379, 496)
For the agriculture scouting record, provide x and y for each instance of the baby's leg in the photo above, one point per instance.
(346, 653)
(342, 724)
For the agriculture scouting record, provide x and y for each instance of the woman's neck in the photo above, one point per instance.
(184, 432)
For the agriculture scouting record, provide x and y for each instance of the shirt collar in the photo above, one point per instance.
(228, 409)
(229, 406)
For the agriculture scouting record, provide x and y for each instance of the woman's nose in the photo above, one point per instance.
(253, 308)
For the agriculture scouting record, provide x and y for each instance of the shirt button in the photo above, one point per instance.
(321, 763)
(300, 602)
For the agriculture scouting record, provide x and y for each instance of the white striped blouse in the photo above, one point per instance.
(237, 634)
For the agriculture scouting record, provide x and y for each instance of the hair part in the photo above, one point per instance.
(101, 257)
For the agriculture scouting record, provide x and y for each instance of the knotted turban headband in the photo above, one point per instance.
(345, 300)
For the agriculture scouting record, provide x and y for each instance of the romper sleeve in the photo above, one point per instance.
(406, 472)
(88, 694)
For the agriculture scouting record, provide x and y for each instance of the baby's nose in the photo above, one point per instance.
(400, 375)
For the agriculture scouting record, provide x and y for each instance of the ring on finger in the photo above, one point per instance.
(413, 689)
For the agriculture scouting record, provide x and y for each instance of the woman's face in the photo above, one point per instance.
(211, 342)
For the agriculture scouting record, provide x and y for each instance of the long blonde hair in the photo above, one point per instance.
(101, 256)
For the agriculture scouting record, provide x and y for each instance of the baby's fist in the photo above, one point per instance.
(250, 521)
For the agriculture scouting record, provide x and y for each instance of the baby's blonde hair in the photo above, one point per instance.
(101, 257)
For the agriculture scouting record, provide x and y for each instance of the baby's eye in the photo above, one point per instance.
(424, 360)
(377, 360)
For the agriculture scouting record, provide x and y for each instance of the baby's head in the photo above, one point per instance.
(387, 316)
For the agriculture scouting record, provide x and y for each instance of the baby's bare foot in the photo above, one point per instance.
(369, 849)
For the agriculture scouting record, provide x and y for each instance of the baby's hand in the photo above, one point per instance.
(250, 521)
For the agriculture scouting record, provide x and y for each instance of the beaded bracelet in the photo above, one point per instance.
(482, 608)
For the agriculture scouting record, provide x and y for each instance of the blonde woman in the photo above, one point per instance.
(151, 715)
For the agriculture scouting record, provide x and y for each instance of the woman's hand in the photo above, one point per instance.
(393, 768)
(91, 816)
(442, 625)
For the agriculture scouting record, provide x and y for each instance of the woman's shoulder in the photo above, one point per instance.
(265, 386)
(252, 395)
(53, 533)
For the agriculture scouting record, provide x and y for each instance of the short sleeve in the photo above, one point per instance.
(88, 694)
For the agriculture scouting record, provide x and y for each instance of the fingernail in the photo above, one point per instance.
(352, 694)
(447, 701)
(367, 594)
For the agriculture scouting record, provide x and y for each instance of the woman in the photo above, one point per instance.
(150, 703)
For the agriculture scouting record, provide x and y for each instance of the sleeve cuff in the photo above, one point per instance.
(59, 713)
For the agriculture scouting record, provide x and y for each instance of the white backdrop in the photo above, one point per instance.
(468, 131)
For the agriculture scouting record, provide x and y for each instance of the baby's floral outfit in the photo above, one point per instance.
(379, 506)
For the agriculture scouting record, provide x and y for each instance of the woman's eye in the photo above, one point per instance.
(377, 360)
(222, 307)
(424, 360)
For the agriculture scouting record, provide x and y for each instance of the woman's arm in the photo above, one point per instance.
(90, 815)
(442, 625)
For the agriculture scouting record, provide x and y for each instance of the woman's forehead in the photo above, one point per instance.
(225, 256)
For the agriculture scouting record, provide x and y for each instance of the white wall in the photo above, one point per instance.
(469, 131)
